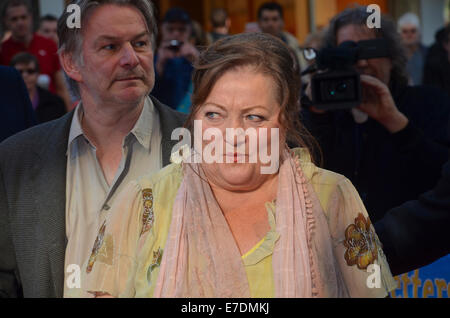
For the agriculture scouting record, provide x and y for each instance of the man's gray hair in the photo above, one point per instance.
(409, 18)
(359, 16)
(71, 39)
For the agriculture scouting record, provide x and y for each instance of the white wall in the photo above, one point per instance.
(432, 19)
(54, 7)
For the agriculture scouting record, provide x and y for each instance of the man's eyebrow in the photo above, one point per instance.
(116, 38)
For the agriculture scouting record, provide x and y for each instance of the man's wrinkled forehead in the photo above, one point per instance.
(104, 28)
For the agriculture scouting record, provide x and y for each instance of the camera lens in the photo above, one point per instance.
(341, 87)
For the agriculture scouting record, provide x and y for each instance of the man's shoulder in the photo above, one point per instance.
(36, 137)
(169, 116)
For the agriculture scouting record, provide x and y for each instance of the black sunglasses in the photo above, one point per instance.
(29, 71)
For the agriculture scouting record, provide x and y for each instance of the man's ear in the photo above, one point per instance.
(70, 66)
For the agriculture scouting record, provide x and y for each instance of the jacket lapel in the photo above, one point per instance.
(170, 120)
(49, 193)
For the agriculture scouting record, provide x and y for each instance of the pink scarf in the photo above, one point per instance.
(202, 260)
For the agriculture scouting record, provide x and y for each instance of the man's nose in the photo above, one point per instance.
(362, 64)
(129, 57)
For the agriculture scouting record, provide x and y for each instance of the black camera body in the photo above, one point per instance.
(337, 84)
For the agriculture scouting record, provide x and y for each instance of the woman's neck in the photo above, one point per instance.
(230, 200)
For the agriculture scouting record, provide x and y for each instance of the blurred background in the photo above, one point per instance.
(301, 16)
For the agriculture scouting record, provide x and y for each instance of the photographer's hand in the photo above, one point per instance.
(189, 52)
(379, 105)
(164, 54)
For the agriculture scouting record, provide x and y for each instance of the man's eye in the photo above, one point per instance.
(141, 44)
(109, 47)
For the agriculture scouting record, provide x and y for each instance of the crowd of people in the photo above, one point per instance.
(87, 127)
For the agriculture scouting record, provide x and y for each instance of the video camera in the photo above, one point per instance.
(336, 84)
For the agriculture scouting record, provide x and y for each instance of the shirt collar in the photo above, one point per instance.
(75, 128)
(144, 126)
(142, 130)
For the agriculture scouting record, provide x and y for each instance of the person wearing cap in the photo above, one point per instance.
(173, 61)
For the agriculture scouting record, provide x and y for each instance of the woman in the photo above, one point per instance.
(226, 229)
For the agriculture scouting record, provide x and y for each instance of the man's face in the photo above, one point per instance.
(271, 22)
(410, 34)
(19, 21)
(29, 74)
(176, 31)
(49, 29)
(117, 53)
(379, 67)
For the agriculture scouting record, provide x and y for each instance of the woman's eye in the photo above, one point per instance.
(256, 118)
(212, 115)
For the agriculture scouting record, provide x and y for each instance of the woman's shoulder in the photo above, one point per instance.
(316, 175)
(167, 178)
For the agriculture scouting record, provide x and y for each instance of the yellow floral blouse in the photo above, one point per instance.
(130, 245)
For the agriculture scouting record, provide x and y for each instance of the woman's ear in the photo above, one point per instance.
(70, 66)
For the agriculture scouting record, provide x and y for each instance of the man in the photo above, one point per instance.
(58, 180)
(271, 20)
(16, 113)
(17, 17)
(416, 52)
(220, 25)
(48, 27)
(46, 105)
(437, 64)
(394, 145)
(173, 62)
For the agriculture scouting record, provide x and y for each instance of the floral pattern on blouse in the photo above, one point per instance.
(148, 216)
(102, 250)
(361, 243)
(156, 262)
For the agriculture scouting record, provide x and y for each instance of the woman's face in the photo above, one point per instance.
(242, 98)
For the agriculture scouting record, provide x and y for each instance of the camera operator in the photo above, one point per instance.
(393, 146)
(173, 61)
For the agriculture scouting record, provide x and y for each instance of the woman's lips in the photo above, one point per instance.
(236, 157)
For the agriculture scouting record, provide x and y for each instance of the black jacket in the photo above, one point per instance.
(417, 233)
(388, 169)
(50, 106)
(16, 113)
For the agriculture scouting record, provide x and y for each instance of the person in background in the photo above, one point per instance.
(174, 58)
(16, 113)
(48, 27)
(437, 65)
(271, 20)
(394, 145)
(17, 17)
(199, 37)
(220, 23)
(410, 31)
(47, 106)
